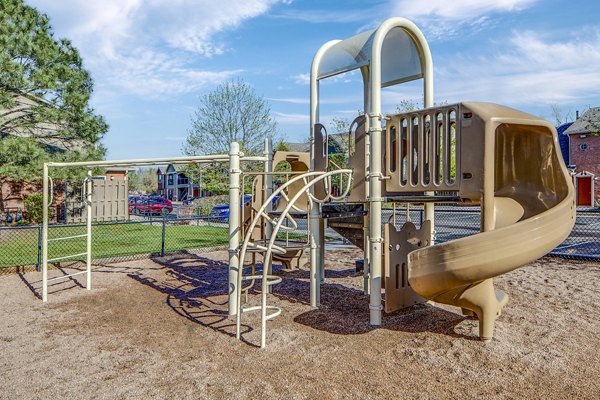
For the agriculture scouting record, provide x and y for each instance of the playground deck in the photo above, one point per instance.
(159, 329)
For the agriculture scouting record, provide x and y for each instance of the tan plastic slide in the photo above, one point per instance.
(534, 211)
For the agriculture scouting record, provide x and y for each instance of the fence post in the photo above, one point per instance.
(162, 245)
(38, 266)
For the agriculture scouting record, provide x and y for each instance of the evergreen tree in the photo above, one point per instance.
(44, 97)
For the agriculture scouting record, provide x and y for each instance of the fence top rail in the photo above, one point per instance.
(153, 161)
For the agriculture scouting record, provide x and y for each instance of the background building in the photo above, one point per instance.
(176, 185)
(584, 156)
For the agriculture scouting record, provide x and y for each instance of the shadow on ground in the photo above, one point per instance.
(197, 288)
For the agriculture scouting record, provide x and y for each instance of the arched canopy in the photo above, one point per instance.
(395, 52)
(401, 59)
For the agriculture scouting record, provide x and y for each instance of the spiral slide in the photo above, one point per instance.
(533, 212)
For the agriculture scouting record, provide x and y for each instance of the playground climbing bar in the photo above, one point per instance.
(47, 197)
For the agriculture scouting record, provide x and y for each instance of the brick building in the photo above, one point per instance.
(584, 156)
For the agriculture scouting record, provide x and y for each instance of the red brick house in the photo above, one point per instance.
(584, 156)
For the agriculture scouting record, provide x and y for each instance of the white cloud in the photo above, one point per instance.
(291, 119)
(302, 79)
(346, 77)
(456, 10)
(290, 100)
(151, 47)
(442, 19)
(323, 16)
(532, 71)
(326, 100)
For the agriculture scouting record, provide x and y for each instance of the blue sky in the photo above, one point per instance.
(151, 60)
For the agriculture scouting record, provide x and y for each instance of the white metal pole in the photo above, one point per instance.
(234, 225)
(313, 218)
(88, 200)
(367, 251)
(315, 237)
(429, 208)
(268, 182)
(374, 174)
(45, 234)
(375, 147)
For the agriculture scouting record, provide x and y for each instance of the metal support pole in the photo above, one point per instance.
(367, 251)
(268, 182)
(38, 266)
(375, 146)
(88, 201)
(322, 250)
(163, 235)
(429, 208)
(234, 226)
(375, 202)
(45, 234)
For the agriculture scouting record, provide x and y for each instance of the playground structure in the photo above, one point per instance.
(506, 161)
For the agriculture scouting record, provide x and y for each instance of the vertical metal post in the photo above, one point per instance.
(38, 266)
(163, 235)
(321, 251)
(375, 147)
(234, 226)
(374, 118)
(45, 234)
(367, 250)
(268, 182)
(313, 219)
(429, 208)
(88, 201)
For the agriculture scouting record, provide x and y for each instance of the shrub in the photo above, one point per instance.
(34, 208)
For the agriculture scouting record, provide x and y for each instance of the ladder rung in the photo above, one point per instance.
(269, 316)
(67, 237)
(67, 276)
(271, 280)
(276, 249)
(64, 257)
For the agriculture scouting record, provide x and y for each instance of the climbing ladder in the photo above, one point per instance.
(87, 198)
(269, 247)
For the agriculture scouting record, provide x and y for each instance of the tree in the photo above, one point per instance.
(561, 116)
(44, 97)
(232, 112)
(143, 180)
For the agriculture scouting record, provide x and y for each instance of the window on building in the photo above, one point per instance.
(170, 179)
(583, 146)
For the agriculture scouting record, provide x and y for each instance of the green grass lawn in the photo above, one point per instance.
(19, 246)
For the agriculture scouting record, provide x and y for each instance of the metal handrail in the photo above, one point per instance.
(317, 176)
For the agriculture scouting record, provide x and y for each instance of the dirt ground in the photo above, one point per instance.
(159, 329)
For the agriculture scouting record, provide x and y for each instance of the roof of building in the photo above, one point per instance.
(589, 122)
(304, 147)
(563, 141)
(336, 144)
(43, 132)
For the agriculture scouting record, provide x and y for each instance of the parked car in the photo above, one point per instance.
(139, 205)
(220, 213)
(190, 200)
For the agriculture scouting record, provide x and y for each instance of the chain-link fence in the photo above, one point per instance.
(139, 237)
(191, 230)
(453, 222)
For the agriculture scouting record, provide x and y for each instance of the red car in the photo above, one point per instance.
(149, 205)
